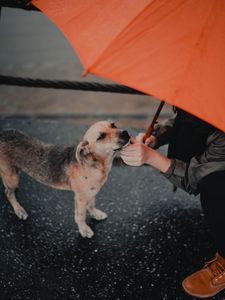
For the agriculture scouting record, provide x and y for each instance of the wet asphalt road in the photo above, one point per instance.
(151, 240)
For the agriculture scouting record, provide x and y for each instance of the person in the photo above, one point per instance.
(195, 163)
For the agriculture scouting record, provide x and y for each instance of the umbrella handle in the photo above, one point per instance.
(151, 126)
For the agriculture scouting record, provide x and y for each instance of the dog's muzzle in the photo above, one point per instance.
(124, 139)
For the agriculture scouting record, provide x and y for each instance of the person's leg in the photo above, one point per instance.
(212, 195)
(211, 279)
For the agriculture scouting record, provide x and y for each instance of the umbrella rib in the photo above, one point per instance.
(88, 69)
(189, 63)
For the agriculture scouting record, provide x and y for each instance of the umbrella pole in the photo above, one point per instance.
(151, 126)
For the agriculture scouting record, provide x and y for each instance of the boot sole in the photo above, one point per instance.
(202, 296)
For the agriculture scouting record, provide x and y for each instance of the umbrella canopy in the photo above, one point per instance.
(174, 50)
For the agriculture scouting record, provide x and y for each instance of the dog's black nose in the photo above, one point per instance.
(125, 135)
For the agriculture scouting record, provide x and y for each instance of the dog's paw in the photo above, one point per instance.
(97, 214)
(86, 231)
(21, 213)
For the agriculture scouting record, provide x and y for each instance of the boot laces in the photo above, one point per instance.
(215, 267)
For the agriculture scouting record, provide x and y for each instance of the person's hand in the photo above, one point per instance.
(150, 142)
(136, 154)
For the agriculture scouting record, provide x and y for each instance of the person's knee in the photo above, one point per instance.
(213, 185)
(212, 179)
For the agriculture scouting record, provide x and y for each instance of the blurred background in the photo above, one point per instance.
(32, 46)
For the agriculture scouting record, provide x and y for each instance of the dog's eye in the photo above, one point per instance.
(113, 125)
(101, 136)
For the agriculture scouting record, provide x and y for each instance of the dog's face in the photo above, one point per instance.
(103, 138)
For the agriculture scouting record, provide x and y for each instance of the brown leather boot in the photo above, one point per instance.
(208, 281)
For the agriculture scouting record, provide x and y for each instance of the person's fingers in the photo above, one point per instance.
(133, 140)
(129, 158)
(125, 155)
(132, 165)
(131, 152)
(130, 148)
(150, 141)
(133, 155)
(130, 155)
(131, 162)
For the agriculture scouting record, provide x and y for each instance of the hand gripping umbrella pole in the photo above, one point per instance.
(151, 126)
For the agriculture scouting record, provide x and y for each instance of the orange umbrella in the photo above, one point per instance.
(174, 50)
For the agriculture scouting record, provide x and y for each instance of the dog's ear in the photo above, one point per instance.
(82, 152)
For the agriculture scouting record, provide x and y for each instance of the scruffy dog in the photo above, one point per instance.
(83, 170)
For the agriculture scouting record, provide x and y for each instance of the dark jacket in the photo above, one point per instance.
(195, 147)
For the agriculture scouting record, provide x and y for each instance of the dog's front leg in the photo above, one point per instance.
(95, 213)
(81, 204)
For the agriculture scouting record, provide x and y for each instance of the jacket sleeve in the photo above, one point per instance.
(177, 174)
(188, 175)
(162, 132)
